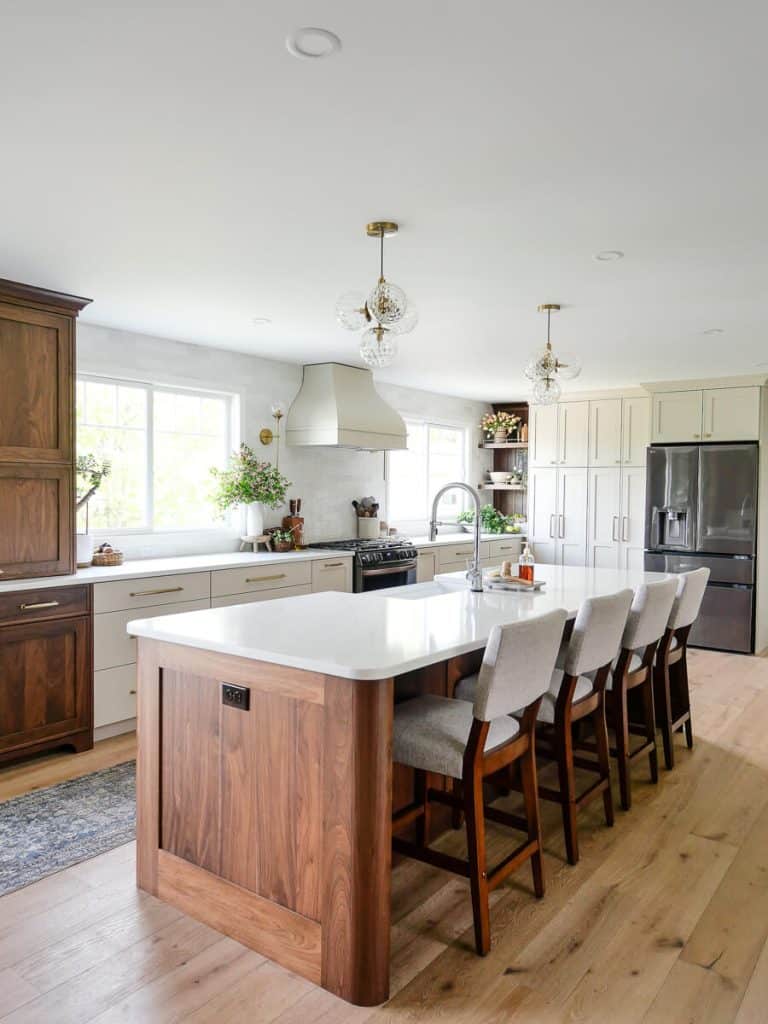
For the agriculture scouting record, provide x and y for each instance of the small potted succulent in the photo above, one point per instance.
(90, 473)
(250, 482)
(497, 426)
(282, 539)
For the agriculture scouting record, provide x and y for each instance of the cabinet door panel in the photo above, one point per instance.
(635, 430)
(605, 432)
(677, 416)
(572, 517)
(36, 513)
(543, 426)
(732, 414)
(573, 433)
(44, 681)
(632, 518)
(604, 518)
(35, 368)
(426, 566)
(333, 574)
(542, 513)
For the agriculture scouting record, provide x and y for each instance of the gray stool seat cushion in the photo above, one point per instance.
(546, 713)
(635, 662)
(431, 733)
(467, 688)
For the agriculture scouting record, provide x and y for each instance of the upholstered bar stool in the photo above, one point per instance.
(469, 741)
(633, 671)
(572, 696)
(670, 677)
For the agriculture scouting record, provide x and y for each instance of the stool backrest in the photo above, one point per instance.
(649, 614)
(517, 664)
(690, 592)
(597, 631)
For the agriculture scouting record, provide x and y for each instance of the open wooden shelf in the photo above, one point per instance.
(501, 487)
(503, 444)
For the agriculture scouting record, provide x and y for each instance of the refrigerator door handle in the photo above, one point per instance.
(625, 528)
(615, 528)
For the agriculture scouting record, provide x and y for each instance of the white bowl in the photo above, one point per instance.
(499, 478)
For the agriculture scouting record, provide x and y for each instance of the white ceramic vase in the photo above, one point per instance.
(84, 550)
(254, 519)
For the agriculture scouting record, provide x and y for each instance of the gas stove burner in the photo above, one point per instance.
(381, 544)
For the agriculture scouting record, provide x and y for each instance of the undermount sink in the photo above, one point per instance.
(434, 588)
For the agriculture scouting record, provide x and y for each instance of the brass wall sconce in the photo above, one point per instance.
(267, 436)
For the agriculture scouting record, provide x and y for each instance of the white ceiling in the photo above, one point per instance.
(174, 162)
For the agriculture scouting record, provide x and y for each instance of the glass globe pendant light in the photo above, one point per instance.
(545, 370)
(385, 313)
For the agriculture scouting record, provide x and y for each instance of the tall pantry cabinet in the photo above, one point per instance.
(46, 688)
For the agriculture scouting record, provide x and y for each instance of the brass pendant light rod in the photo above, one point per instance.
(381, 229)
(548, 308)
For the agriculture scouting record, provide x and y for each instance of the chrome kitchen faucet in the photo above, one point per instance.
(474, 573)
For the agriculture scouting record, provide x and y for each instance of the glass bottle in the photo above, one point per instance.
(525, 565)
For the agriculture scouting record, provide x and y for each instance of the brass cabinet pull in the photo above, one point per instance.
(132, 692)
(152, 593)
(331, 565)
(265, 579)
(40, 604)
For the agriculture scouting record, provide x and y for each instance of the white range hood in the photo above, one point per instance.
(338, 406)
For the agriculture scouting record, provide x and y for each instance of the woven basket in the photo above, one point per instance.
(108, 558)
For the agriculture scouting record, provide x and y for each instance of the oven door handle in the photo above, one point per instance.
(390, 570)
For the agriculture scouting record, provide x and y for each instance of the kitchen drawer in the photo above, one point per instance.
(507, 549)
(114, 695)
(332, 574)
(260, 577)
(111, 644)
(151, 590)
(261, 595)
(48, 603)
(457, 554)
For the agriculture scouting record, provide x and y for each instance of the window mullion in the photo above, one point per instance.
(150, 482)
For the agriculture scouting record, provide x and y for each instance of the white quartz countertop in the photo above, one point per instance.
(382, 633)
(168, 566)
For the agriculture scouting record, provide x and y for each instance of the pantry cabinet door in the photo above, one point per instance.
(677, 416)
(571, 517)
(635, 430)
(573, 434)
(631, 552)
(543, 435)
(542, 513)
(605, 432)
(604, 518)
(732, 414)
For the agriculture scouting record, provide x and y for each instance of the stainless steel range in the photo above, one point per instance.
(389, 562)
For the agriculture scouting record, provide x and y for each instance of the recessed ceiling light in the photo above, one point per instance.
(259, 321)
(714, 330)
(609, 255)
(312, 43)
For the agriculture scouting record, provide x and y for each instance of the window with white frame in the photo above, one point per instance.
(436, 455)
(162, 442)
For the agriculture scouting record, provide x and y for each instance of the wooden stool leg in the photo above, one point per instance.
(420, 796)
(688, 726)
(564, 750)
(457, 815)
(478, 879)
(621, 728)
(604, 760)
(649, 717)
(663, 700)
(531, 797)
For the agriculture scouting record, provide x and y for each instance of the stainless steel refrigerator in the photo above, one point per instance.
(701, 509)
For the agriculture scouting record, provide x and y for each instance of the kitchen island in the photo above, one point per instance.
(265, 781)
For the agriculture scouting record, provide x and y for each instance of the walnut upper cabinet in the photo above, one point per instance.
(37, 430)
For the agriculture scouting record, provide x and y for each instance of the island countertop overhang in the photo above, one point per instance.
(380, 634)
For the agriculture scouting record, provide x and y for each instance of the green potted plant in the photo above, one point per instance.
(249, 482)
(282, 538)
(491, 520)
(497, 426)
(90, 473)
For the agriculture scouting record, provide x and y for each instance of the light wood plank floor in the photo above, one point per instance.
(664, 921)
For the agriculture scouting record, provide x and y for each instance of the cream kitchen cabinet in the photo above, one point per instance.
(112, 646)
(619, 431)
(266, 576)
(333, 574)
(426, 564)
(560, 434)
(616, 518)
(260, 595)
(731, 414)
(557, 518)
(452, 557)
(714, 414)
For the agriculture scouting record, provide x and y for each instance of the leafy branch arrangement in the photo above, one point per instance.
(491, 520)
(246, 479)
(91, 472)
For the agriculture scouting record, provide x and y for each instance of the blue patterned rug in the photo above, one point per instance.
(52, 829)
